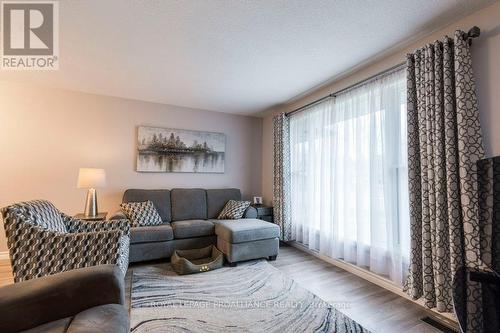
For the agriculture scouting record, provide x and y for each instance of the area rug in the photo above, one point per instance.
(253, 297)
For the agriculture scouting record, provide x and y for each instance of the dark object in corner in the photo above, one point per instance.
(489, 303)
(488, 300)
(488, 178)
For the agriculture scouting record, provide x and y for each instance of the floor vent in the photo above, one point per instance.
(438, 325)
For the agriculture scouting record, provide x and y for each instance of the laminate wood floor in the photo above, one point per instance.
(5, 273)
(377, 309)
(374, 307)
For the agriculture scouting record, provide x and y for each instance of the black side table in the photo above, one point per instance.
(99, 217)
(488, 302)
(264, 212)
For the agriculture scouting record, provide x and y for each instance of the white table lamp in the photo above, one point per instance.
(91, 179)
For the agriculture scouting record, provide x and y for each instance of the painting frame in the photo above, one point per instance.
(174, 150)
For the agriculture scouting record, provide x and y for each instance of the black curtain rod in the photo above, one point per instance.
(352, 86)
(473, 33)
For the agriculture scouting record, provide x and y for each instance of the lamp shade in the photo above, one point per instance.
(91, 178)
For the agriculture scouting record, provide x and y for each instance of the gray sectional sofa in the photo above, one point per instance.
(190, 221)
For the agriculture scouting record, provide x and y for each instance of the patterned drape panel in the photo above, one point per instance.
(281, 195)
(444, 143)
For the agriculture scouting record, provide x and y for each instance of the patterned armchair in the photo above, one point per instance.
(43, 241)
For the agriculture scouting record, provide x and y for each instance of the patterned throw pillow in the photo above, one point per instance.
(43, 214)
(233, 210)
(141, 213)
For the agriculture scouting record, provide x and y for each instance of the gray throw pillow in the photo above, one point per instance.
(233, 210)
(141, 213)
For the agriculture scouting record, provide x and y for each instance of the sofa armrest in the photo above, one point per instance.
(118, 215)
(27, 304)
(250, 213)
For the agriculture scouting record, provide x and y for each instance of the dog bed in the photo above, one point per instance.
(197, 260)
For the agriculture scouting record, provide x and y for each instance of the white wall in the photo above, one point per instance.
(486, 63)
(47, 134)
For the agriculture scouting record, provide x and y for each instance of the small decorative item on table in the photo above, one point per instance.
(197, 260)
(99, 217)
(264, 212)
(257, 200)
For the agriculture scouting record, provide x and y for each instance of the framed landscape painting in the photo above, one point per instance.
(175, 150)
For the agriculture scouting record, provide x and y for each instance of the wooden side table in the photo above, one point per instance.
(264, 212)
(100, 217)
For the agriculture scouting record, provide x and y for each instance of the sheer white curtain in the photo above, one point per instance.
(349, 192)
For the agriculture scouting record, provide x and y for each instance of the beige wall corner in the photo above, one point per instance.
(47, 134)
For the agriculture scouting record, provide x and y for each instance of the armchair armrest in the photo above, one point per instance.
(250, 213)
(31, 303)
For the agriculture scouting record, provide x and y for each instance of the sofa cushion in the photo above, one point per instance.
(245, 230)
(159, 198)
(109, 318)
(217, 199)
(188, 204)
(233, 210)
(141, 213)
(192, 228)
(155, 233)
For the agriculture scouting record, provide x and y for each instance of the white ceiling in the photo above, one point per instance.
(227, 55)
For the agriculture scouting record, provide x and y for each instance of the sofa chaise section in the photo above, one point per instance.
(246, 240)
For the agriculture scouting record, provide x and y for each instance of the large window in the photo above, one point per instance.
(349, 195)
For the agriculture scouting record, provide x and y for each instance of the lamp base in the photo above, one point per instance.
(91, 203)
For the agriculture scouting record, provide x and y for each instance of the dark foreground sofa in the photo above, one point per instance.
(85, 300)
(190, 221)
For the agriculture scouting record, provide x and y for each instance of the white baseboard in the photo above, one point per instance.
(447, 319)
(4, 255)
